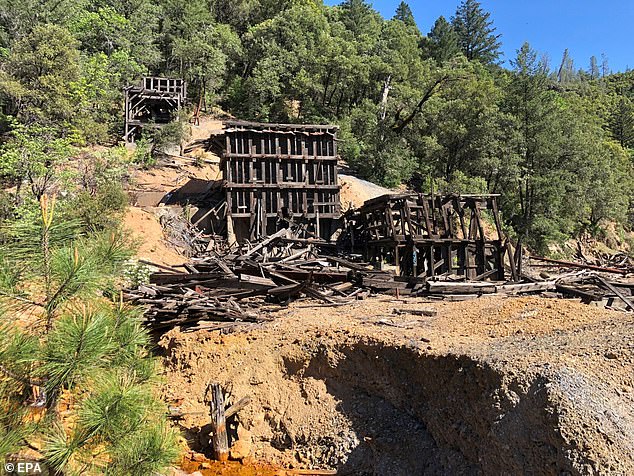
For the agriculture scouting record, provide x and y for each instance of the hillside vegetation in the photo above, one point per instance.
(438, 112)
(433, 110)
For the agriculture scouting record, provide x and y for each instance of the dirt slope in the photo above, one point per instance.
(144, 226)
(492, 386)
(355, 191)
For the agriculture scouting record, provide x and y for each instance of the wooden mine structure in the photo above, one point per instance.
(152, 103)
(430, 236)
(275, 174)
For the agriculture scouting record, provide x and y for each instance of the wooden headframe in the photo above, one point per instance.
(275, 173)
(152, 103)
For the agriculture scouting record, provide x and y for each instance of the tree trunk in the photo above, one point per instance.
(384, 96)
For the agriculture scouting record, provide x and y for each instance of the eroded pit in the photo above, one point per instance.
(365, 407)
(421, 414)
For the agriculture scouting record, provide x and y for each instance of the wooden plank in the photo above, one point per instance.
(579, 265)
(265, 242)
(485, 275)
(521, 288)
(446, 287)
(509, 250)
(247, 278)
(382, 283)
(236, 407)
(584, 295)
(618, 293)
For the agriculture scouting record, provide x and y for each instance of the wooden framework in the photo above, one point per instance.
(152, 103)
(275, 173)
(429, 236)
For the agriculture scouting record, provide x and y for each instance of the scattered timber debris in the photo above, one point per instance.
(239, 288)
(215, 291)
(435, 248)
(623, 270)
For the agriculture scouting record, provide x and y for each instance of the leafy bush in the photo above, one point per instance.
(143, 153)
(102, 209)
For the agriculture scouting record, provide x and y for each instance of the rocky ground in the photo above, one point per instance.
(489, 386)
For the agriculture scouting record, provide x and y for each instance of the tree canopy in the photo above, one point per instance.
(417, 109)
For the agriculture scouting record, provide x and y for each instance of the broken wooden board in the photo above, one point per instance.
(446, 287)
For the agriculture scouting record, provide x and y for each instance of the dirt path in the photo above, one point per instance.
(488, 386)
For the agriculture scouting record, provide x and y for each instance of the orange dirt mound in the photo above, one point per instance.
(145, 227)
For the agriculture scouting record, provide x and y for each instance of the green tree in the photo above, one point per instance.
(463, 126)
(29, 158)
(203, 58)
(605, 66)
(18, 19)
(359, 17)
(442, 41)
(404, 14)
(117, 423)
(621, 121)
(566, 72)
(594, 71)
(476, 33)
(41, 72)
(535, 183)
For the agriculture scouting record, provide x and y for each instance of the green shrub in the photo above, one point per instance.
(101, 210)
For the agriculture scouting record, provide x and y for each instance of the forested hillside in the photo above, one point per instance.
(427, 105)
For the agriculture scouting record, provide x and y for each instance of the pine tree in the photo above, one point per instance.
(83, 337)
(404, 13)
(605, 67)
(442, 41)
(476, 34)
(531, 104)
(593, 71)
(357, 15)
(621, 121)
(566, 72)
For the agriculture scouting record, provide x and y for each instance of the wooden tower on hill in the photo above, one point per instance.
(152, 103)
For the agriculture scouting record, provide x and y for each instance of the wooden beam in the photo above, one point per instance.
(219, 440)
(579, 265)
(618, 293)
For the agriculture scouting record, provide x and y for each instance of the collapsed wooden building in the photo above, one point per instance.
(153, 102)
(432, 235)
(275, 174)
(280, 199)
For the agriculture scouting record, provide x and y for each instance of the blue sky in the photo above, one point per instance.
(585, 27)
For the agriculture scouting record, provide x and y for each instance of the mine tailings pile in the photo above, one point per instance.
(365, 405)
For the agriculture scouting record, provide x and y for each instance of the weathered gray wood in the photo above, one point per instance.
(445, 287)
(526, 287)
(619, 294)
(219, 440)
(266, 282)
(265, 242)
(571, 291)
(236, 407)
(579, 265)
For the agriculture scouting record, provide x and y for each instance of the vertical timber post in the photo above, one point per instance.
(219, 440)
